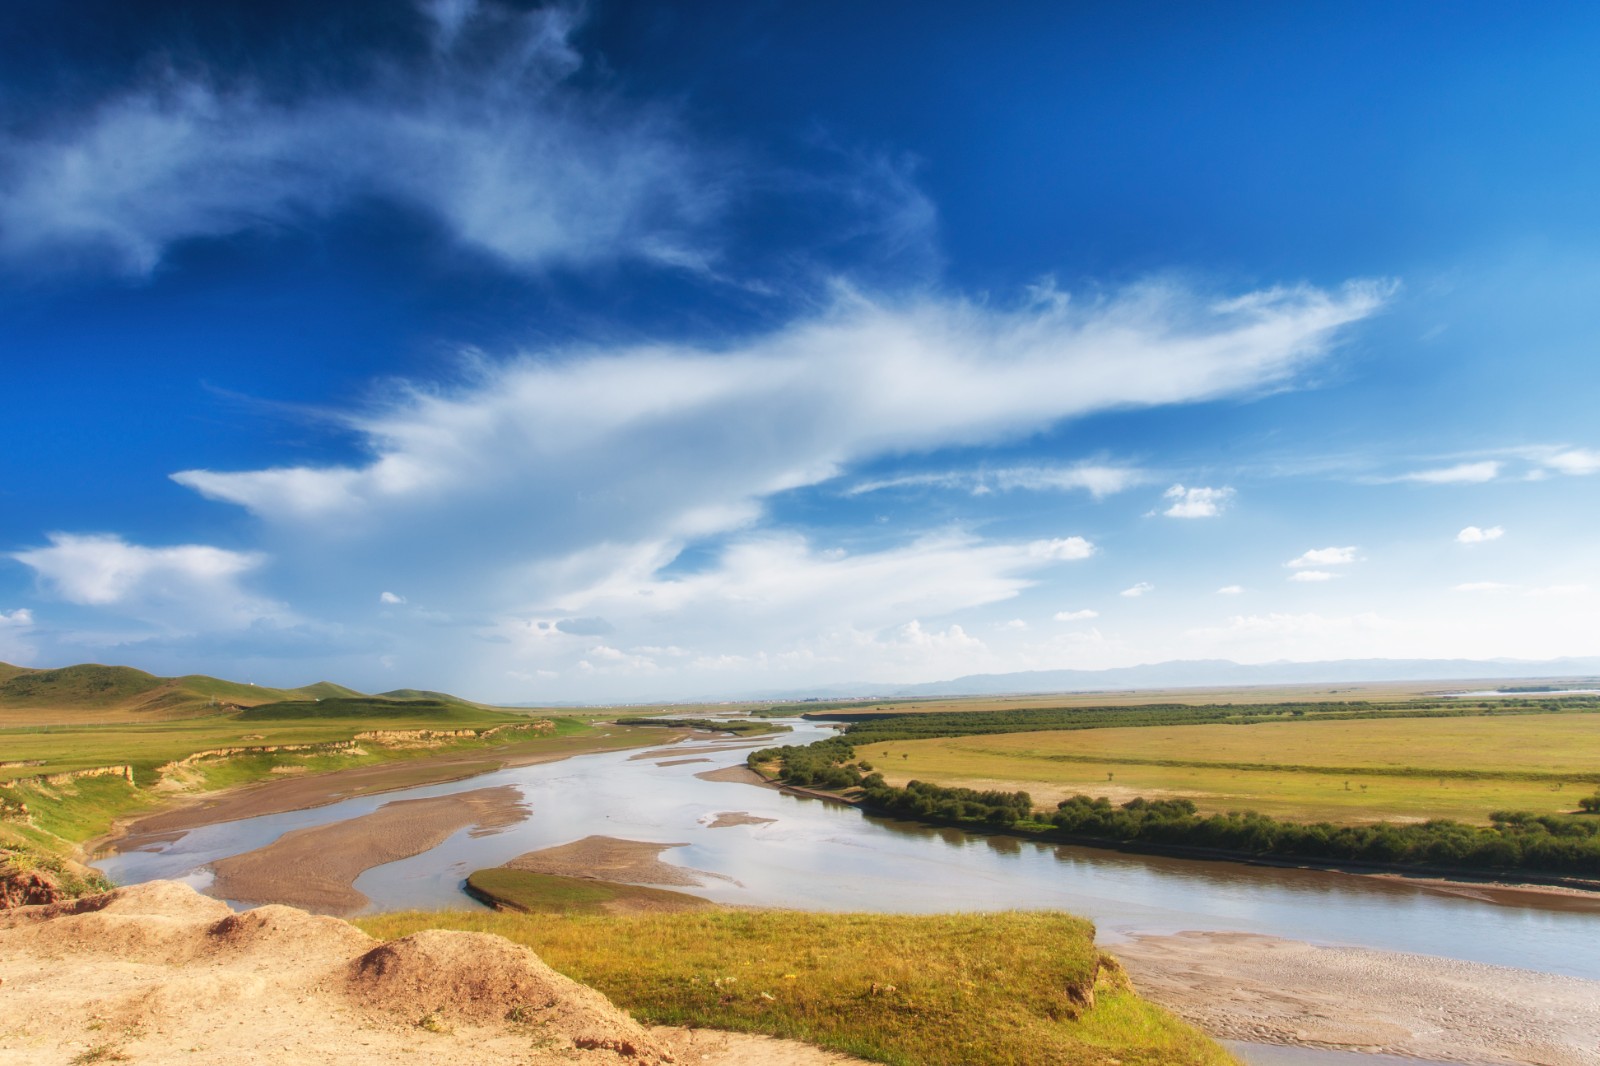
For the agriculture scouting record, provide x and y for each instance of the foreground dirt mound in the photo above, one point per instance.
(477, 979)
(158, 973)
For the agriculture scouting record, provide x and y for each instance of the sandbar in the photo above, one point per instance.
(314, 868)
(628, 862)
(739, 774)
(1242, 986)
(724, 819)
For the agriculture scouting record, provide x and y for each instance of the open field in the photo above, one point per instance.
(1011, 988)
(1368, 691)
(1339, 771)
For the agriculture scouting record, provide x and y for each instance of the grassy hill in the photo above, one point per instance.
(94, 693)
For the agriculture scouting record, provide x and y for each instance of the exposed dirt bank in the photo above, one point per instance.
(158, 973)
(314, 868)
(629, 862)
(1240, 986)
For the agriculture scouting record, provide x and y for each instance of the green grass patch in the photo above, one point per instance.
(913, 990)
(738, 728)
(536, 893)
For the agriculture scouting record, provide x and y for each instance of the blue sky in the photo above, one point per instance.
(624, 351)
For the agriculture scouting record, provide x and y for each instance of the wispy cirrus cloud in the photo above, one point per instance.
(481, 128)
(1096, 478)
(1472, 473)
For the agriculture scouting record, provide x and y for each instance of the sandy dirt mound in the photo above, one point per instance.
(477, 979)
(1245, 987)
(315, 868)
(628, 862)
(157, 973)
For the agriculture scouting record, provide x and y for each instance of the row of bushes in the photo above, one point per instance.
(1515, 840)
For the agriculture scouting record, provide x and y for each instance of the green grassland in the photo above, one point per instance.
(1338, 771)
(915, 990)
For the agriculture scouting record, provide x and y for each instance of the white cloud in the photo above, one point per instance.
(1323, 557)
(1196, 502)
(547, 454)
(1574, 461)
(1574, 589)
(17, 618)
(104, 570)
(1312, 575)
(1097, 479)
(1061, 549)
(1230, 590)
(487, 133)
(1459, 474)
(1482, 586)
(1475, 535)
(1015, 623)
(390, 598)
(1135, 591)
(1076, 616)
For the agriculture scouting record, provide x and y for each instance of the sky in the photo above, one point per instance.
(617, 351)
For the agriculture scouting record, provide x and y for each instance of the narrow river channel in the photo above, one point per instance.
(819, 855)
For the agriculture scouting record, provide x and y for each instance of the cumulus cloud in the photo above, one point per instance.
(17, 618)
(187, 584)
(1230, 590)
(482, 129)
(1459, 474)
(1196, 502)
(391, 598)
(1076, 616)
(1135, 591)
(1312, 575)
(1015, 623)
(1063, 549)
(1323, 557)
(1475, 535)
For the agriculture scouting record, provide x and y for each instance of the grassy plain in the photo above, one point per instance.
(1339, 771)
(917, 990)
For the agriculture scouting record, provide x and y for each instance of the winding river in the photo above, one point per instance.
(819, 855)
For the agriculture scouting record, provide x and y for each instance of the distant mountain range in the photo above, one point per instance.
(1209, 673)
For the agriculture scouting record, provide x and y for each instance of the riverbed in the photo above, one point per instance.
(819, 855)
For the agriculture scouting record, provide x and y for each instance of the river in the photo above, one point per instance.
(819, 855)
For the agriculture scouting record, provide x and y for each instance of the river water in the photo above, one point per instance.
(820, 855)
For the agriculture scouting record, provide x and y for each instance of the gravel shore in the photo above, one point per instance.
(1241, 986)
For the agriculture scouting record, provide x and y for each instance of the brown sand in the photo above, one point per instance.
(628, 862)
(726, 818)
(157, 973)
(736, 775)
(1239, 986)
(680, 762)
(314, 868)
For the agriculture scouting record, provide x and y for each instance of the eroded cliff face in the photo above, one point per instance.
(24, 887)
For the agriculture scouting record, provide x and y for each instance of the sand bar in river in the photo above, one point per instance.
(315, 868)
(628, 862)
